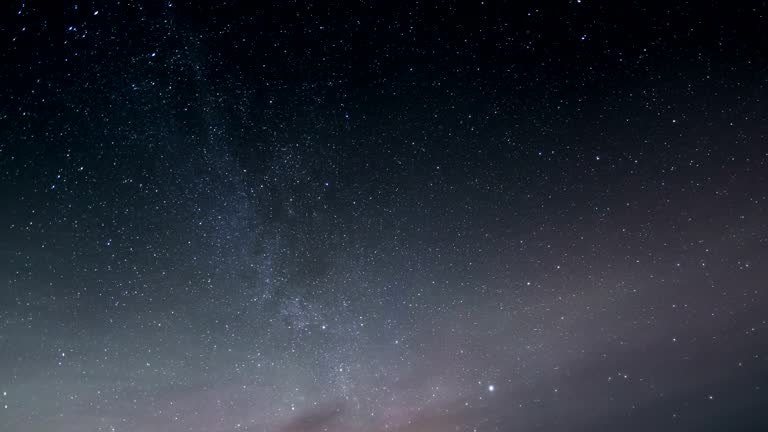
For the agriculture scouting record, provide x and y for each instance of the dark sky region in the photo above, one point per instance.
(383, 216)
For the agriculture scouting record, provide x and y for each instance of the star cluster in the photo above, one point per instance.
(364, 216)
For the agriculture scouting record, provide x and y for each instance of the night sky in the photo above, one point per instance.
(383, 216)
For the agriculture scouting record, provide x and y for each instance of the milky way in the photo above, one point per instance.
(414, 217)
